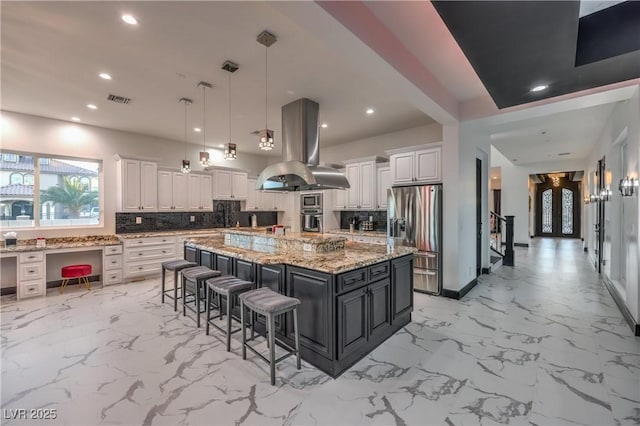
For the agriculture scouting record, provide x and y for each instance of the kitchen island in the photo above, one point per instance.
(353, 297)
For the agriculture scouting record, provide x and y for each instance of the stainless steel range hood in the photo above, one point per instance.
(299, 170)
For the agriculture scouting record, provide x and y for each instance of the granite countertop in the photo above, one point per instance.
(354, 256)
(187, 232)
(63, 243)
(359, 233)
(305, 237)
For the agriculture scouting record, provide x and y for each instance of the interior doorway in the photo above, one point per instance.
(558, 206)
(478, 217)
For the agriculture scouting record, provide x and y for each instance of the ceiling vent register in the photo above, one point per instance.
(118, 99)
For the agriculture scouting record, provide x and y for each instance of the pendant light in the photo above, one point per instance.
(230, 152)
(204, 155)
(265, 135)
(186, 165)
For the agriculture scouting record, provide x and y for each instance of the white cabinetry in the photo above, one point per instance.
(418, 166)
(172, 190)
(229, 185)
(383, 184)
(31, 274)
(362, 178)
(112, 265)
(137, 185)
(199, 192)
(263, 200)
(144, 256)
(340, 199)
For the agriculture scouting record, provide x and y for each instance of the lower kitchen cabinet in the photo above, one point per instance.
(273, 277)
(245, 270)
(224, 264)
(191, 254)
(401, 295)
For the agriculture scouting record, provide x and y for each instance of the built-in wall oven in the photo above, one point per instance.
(311, 212)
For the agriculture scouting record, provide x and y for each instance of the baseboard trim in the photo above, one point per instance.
(486, 270)
(7, 290)
(455, 294)
(635, 327)
(521, 244)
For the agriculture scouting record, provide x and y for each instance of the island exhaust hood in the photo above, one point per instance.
(300, 169)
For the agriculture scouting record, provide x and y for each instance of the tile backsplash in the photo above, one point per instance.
(224, 214)
(379, 218)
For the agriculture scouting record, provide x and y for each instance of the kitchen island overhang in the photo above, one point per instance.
(352, 299)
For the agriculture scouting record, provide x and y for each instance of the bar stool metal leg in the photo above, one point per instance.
(244, 330)
(229, 300)
(208, 317)
(272, 348)
(164, 274)
(184, 297)
(297, 337)
(175, 290)
(198, 303)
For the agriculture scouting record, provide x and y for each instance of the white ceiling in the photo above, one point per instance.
(52, 53)
(587, 7)
(574, 131)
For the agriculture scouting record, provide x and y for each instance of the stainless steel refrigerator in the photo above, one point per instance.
(415, 220)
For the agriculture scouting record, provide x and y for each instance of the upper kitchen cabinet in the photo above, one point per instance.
(229, 185)
(199, 192)
(362, 178)
(137, 185)
(263, 200)
(173, 190)
(340, 199)
(416, 166)
(383, 184)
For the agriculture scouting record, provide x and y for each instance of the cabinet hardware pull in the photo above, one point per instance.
(140, 254)
(140, 268)
(113, 262)
(31, 271)
(113, 277)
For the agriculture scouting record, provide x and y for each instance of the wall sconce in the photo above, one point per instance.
(627, 186)
(605, 194)
(594, 198)
(587, 199)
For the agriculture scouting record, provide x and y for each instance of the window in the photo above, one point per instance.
(547, 211)
(67, 193)
(567, 211)
(12, 158)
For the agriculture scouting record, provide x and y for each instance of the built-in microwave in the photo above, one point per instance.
(311, 201)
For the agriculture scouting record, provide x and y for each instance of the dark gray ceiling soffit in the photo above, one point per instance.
(516, 45)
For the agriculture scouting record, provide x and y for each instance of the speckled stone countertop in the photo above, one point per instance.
(358, 233)
(186, 232)
(63, 243)
(354, 255)
(305, 237)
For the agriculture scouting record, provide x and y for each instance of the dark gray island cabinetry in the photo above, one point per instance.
(343, 315)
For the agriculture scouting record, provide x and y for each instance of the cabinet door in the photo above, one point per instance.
(206, 259)
(384, 183)
(428, 165)
(278, 201)
(193, 192)
(379, 307)
(401, 286)
(368, 178)
(222, 185)
(224, 264)
(315, 312)
(252, 195)
(190, 254)
(402, 166)
(352, 322)
(130, 185)
(148, 185)
(239, 185)
(206, 198)
(340, 197)
(245, 270)
(272, 276)
(267, 201)
(179, 189)
(353, 193)
(165, 190)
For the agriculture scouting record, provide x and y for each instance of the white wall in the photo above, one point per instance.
(33, 134)
(623, 118)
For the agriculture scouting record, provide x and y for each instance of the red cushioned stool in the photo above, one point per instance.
(81, 272)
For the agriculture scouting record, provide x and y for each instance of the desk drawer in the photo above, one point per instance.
(149, 241)
(378, 271)
(149, 253)
(31, 271)
(30, 289)
(112, 277)
(351, 280)
(109, 250)
(142, 268)
(35, 256)
(112, 262)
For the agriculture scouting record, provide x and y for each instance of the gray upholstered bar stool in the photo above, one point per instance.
(267, 302)
(176, 266)
(193, 289)
(226, 286)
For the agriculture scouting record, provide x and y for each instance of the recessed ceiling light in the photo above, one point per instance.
(75, 119)
(539, 88)
(104, 76)
(92, 106)
(324, 125)
(370, 111)
(495, 177)
(129, 19)
(196, 129)
(221, 145)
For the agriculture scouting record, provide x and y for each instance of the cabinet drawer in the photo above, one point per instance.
(31, 289)
(112, 277)
(112, 262)
(425, 260)
(109, 250)
(149, 241)
(142, 268)
(31, 271)
(148, 253)
(36, 256)
(351, 280)
(378, 271)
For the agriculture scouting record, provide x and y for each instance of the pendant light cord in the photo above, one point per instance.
(204, 118)
(266, 112)
(185, 130)
(229, 107)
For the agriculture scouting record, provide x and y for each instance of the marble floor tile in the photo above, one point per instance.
(539, 344)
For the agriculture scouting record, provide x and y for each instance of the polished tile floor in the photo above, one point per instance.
(539, 344)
